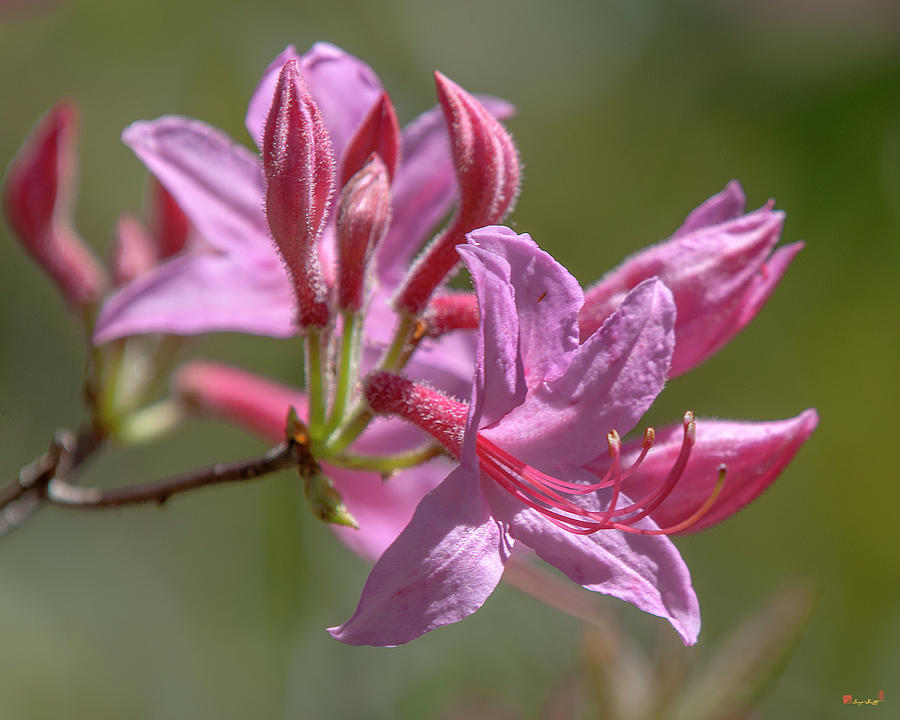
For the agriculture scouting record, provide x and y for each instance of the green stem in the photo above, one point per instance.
(314, 382)
(386, 464)
(347, 374)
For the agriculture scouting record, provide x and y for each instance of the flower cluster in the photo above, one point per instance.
(315, 235)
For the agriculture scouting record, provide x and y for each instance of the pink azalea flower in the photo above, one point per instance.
(719, 265)
(235, 279)
(539, 400)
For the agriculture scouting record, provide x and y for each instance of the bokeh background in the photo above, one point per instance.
(631, 112)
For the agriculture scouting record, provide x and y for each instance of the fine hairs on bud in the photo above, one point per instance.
(364, 210)
(487, 169)
(299, 168)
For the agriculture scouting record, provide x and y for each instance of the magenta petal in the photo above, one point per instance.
(261, 100)
(424, 187)
(702, 336)
(612, 380)
(714, 274)
(440, 570)
(499, 383)
(726, 205)
(755, 454)
(343, 87)
(644, 570)
(547, 301)
(383, 508)
(201, 293)
(217, 183)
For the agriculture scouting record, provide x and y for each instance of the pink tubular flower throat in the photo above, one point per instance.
(555, 498)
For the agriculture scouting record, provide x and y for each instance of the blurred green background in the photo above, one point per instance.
(630, 114)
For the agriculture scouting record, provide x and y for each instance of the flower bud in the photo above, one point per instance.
(487, 168)
(37, 194)
(379, 133)
(168, 224)
(132, 252)
(299, 168)
(326, 502)
(364, 212)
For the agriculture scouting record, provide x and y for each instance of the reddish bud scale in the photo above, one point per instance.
(379, 133)
(168, 224)
(132, 252)
(487, 169)
(440, 416)
(37, 195)
(299, 168)
(453, 311)
(364, 211)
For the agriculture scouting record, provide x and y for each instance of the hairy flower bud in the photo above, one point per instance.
(299, 169)
(364, 212)
(487, 168)
(379, 133)
(37, 195)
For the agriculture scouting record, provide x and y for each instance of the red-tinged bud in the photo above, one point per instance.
(453, 311)
(299, 167)
(379, 133)
(133, 251)
(487, 168)
(364, 211)
(37, 196)
(169, 225)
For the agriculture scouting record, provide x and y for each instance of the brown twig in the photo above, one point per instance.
(281, 457)
(50, 478)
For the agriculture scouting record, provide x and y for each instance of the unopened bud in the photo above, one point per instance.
(487, 168)
(299, 169)
(326, 502)
(364, 211)
(452, 311)
(169, 225)
(132, 252)
(379, 133)
(37, 196)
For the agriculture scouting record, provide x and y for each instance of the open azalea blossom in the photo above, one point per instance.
(540, 400)
(317, 235)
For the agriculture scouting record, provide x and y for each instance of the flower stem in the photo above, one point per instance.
(386, 464)
(314, 382)
(347, 371)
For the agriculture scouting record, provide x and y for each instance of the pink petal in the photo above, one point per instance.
(440, 570)
(343, 87)
(717, 273)
(723, 206)
(424, 187)
(499, 383)
(383, 507)
(201, 293)
(217, 183)
(612, 380)
(644, 570)
(547, 299)
(755, 454)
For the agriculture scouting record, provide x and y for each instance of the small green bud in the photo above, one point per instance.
(326, 502)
